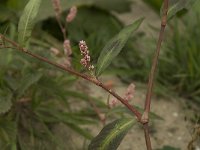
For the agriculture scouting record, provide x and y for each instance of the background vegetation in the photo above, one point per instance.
(36, 99)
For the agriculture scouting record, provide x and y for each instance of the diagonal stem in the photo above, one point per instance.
(88, 78)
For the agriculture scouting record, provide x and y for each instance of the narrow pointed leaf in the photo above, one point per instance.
(115, 45)
(177, 5)
(27, 21)
(111, 135)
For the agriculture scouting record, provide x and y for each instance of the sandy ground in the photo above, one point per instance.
(174, 130)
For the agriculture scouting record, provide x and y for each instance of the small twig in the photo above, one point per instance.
(62, 28)
(88, 78)
(58, 10)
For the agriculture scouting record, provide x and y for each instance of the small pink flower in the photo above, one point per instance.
(83, 62)
(72, 14)
(67, 47)
(87, 58)
(130, 92)
(91, 67)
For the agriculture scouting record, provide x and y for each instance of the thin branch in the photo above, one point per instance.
(58, 10)
(62, 28)
(155, 59)
(145, 116)
(88, 78)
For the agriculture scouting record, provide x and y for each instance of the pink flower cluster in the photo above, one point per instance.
(85, 61)
(129, 94)
(72, 14)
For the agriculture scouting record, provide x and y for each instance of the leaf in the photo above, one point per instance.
(27, 21)
(48, 114)
(5, 101)
(8, 131)
(111, 135)
(27, 81)
(115, 45)
(177, 5)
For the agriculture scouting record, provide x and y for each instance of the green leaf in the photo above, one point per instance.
(177, 5)
(111, 135)
(5, 101)
(28, 81)
(115, 45)
(27, 21)
(8, 131)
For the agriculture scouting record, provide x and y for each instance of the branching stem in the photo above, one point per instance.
(143, 119)
(88, 78)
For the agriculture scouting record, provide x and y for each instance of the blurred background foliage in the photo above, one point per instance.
(36, 99)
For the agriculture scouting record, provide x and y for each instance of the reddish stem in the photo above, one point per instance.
(145, 116)
(147, 136)
(155, 59)
(88, 78)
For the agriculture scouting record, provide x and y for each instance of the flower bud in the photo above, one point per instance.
(72, 14)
